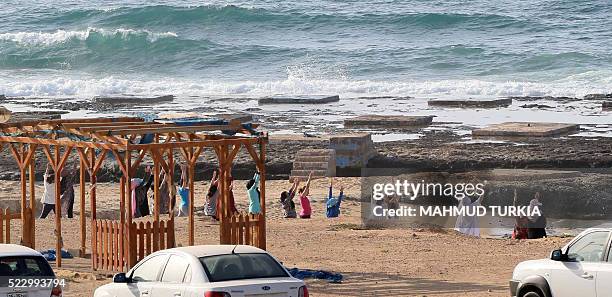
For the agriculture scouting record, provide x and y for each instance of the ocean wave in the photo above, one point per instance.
(62, 36)
(577, 85)
(233, 15)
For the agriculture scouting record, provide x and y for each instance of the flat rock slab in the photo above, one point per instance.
(487, 103)
(526, 129)
(35, 115)
(300, 99)
(133, 100)
(606, 105)
(388, 121)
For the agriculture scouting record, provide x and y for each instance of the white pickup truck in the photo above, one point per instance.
(581, 268)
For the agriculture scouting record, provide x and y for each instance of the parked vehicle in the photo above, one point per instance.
(209, 271)
(582, 268)
(24, 272)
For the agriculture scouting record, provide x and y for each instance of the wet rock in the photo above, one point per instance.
(300, 99)
(598, 96)
(539, 106)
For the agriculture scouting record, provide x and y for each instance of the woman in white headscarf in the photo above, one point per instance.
(537, 223)
(468, 224)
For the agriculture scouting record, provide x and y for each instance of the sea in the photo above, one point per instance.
(380, 50)
(353, 48)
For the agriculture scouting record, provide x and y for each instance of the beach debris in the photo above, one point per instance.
(388, 121)
(535, 105)
(132, 100)
(526, 129)
(321, 162)
(300, 99)
(471, 103)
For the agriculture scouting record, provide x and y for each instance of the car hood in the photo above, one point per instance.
(531, 267)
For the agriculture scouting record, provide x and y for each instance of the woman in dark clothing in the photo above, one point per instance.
(537, 223)
(140, 203)
(67, 191)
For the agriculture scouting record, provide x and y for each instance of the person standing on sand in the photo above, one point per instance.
(286, 200)
(48, 198)
(183, 191)
(210, 205)
(67, 190)
(232, 202)
(306, 211)
(521, 222)
(537, 223)
(140, 205)
(253, 193)
(468, 224)
(333, 204)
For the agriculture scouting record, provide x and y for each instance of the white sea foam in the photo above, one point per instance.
(40, 85)
(60, 36)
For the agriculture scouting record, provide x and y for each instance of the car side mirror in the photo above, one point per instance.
(120, 278)
(558, 255)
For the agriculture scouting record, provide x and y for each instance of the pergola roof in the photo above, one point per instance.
(129, 133)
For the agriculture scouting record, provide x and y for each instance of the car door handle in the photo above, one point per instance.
(177, 294)
(144, 293)
(587, 275)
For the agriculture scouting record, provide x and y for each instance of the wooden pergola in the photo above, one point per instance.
(119, 244)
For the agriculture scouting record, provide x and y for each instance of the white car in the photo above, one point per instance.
(582, 268)
(24, 272)
(206, 271)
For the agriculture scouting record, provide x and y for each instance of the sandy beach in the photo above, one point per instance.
(401, 262)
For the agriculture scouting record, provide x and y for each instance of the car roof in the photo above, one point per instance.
(199, 251)
(17, 250)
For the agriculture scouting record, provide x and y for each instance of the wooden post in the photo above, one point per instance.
(262, 190)
(82, 207)
(131, 251)
(156, 198)
(191, 176)
(223, 238)
(33, 202)
(92, 197)
(25, 231)
(123, 197)
(171, 188)
(58, 209)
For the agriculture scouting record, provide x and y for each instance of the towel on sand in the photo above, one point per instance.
(51, 255)
(318, 274)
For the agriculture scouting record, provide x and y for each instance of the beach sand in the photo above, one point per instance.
(391, 262)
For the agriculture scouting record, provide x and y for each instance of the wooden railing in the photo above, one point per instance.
(107, 252)
(149, 237)
(5, 224)
(245, 229)
(146, 238)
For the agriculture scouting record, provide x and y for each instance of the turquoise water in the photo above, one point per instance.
(353, 48)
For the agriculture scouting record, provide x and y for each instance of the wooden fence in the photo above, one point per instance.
(5, 224)
(151, 237)
(106, 252)
(146, 238)
(245, 229)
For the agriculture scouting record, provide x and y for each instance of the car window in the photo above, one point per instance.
(175, 270)
(25, 266)
(148, 270)
(241, 266)
(589, 248)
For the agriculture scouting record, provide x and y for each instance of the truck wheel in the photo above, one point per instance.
(532, 294)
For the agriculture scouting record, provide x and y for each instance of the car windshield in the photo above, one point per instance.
(24, 266)
(241, 266)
